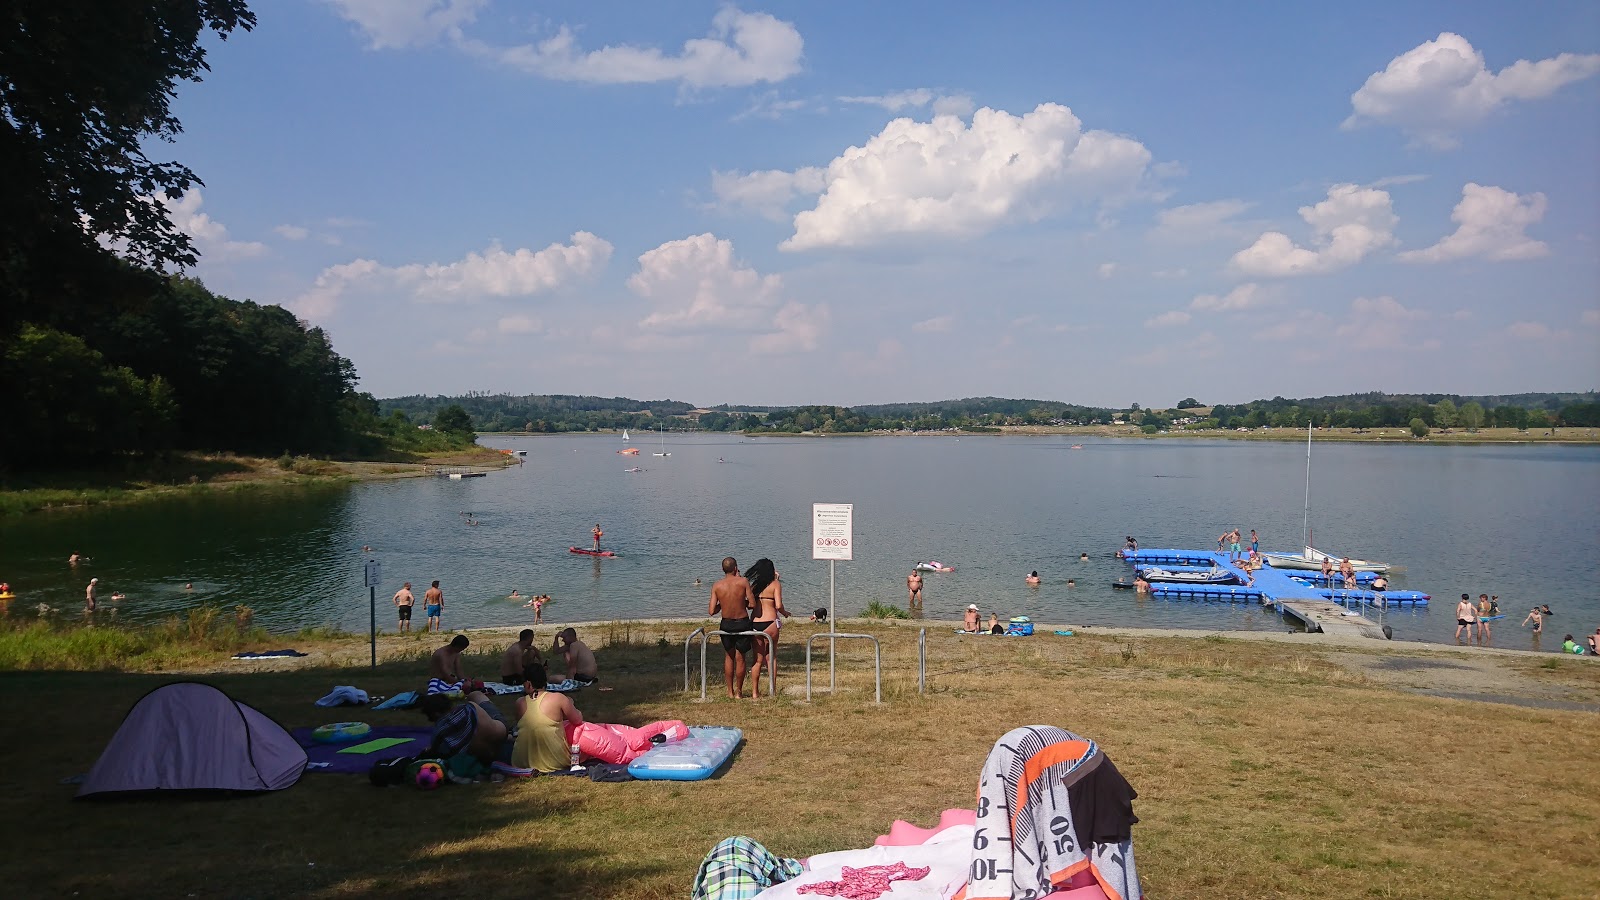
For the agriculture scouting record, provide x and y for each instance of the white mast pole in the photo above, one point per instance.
(1305, 527)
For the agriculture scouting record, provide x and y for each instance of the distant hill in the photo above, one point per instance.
(547, 413)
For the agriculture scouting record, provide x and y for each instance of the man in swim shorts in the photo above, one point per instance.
(1466, 617)
(434, 598)
(732, 599)
(1234, 551)
(403, 601)
(518, 657)
(1255, 543)
(597, 533)
(914, 588)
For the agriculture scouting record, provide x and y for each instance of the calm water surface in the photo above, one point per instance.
(1521, 522)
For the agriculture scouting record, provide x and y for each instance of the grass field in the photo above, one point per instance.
(1263, 770)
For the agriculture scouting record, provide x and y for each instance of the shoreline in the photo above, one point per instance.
(1395, 435)
(201, 473)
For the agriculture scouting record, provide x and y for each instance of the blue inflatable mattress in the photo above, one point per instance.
(694, 758)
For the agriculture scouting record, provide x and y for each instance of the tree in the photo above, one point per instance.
(83, 86)
(1189, 403)
(1537, 418)
(453, 420)
(1471, 415)
(1419, 428)
(1444, 413)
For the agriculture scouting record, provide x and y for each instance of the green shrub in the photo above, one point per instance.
(879, 610)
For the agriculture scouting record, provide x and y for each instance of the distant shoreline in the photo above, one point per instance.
(1558, 436)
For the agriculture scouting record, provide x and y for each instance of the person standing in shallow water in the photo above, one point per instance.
(914, 589)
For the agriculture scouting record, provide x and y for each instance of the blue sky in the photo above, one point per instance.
(829, 203)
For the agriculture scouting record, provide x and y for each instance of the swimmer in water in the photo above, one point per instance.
(697, 581)
(1071, 583)
(1083, 557)
(514, 595)
(1033, 577)
(189, 586)
(118, 595)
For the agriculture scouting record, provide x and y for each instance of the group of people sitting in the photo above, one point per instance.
(972, 622)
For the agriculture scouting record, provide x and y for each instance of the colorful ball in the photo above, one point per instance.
(430, 775)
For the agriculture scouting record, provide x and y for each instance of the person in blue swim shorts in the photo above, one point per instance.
(434, 600)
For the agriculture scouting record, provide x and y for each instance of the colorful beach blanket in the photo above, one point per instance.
(330, 758)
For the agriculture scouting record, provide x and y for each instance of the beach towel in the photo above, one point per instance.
(327, 758)
(440, 686)
(373, 746)
(269, 654)
(344, 695)
(738, 868)
(404, 700)
(1051, 806)
(933, 870)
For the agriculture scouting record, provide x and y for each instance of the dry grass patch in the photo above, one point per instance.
(1263, 770)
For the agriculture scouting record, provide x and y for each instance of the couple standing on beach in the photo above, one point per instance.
(748, 603)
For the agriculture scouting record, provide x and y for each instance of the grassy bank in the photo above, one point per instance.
(136, 479)
(1264, 770)
(1368, 435)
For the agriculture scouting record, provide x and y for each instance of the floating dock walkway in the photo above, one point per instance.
(1299, 595)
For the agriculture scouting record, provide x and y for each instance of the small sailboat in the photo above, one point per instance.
(663, 445)
(1310, 558)
(625, 435)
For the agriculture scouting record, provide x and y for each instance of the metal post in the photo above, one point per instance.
(833, 625)
(686, 641)
(922, 661)
(372, 609)
(772, 675)
(877, 660)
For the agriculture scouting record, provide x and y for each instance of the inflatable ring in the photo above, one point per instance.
(340, 732)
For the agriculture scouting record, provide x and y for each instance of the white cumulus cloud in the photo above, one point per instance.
(1351, 223)
(768, 193)
(1106, 269)
(293, 232)
(495, 272)
(697, 286)
(210, 236)
(1169, 319)
(741, 49)
(518, 325)
(1197, 220)
(1530, 331)
(396, 24)
(1245, 296)
(943, 104)
(935, 325)
(1489, 223)
(1440, 86)
(946, 178)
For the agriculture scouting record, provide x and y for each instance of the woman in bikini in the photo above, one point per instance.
(769, 616)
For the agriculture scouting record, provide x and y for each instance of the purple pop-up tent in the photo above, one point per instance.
(190, 736)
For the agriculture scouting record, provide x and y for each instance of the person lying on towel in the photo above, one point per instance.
(474, 726)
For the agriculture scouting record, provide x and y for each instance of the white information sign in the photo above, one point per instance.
(374, 574)
(831, 530)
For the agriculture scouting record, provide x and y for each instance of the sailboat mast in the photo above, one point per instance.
(1305, 527)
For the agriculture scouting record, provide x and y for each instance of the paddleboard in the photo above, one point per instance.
(582, 552)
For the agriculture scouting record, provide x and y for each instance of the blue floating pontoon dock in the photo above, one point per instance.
(1301, 595)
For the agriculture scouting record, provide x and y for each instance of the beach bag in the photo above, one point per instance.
(386, 772)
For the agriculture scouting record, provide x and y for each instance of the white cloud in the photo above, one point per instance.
(768, 193)
(1490, 222)
(1383, 323)
(1353, 222)
(741, 49)
(769, 105)
(210, 236)
(943, 104)
(293, 232)
(697, 286)
(396, 24)
(518, 325)
(1107, 269)
(1245, 296)
(935, 325)
(1590, 317)
(944, 178)
(1441, 86)
(1197, 219)
(1169, 319)
(1530, 331)
(492, 273)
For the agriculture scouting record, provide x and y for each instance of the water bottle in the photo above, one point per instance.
(573, 755)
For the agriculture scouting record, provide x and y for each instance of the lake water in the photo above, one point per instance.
(1520, 522)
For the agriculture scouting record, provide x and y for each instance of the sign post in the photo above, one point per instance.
(374, 574)
(832, 539)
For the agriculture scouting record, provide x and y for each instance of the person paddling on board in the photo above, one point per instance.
(597, 535)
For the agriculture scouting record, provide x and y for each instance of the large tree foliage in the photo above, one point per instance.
(83, 85)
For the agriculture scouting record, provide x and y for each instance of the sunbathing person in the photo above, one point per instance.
(518, 657)
(970, 622)
(579, 659)
(445, 664)
(542, 720)
(475, 726)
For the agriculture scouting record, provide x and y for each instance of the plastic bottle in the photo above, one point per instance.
(573, 755)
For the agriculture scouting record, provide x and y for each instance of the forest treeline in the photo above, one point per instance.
(103, 354)
(554, 413)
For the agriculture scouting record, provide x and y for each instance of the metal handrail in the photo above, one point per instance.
(705, 638)
(702, 633)
(877, 661)
(922, 661)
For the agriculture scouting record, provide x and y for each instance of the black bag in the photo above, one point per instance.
(386, 772)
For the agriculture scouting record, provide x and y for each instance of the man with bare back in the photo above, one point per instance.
(914, 588)
(732, 599)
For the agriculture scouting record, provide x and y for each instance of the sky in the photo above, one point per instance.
(788, 203)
